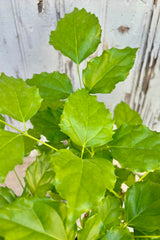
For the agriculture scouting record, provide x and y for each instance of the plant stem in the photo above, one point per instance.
(141, 178)
(25, 128)
(155, 237)
(116, 194)
(19, 180)
(29, 136)
(82, 152)
(79, 75)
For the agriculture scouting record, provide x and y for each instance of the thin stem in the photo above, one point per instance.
(29, 136)
(19, 180)
(82, 152)
(141, 178)
(116, 194)
(79, 75)
(24, 123)
(155, 237)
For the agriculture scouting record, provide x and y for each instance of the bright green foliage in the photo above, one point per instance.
(104, 72)
(52, 86)
(74, 183)
(86, 121)
(32, 219)
(73, 191)
(11, 152)
(118, 234)
(123, 114)
(49, 115)
(123, 176)
(40, 176)
(1, 124)
(7, 196)
(18, 100)
(136, 147)
(142, 206)
(110, 211)
(77, 35)
(92, 229)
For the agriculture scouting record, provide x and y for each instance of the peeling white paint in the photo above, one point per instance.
(24, 47)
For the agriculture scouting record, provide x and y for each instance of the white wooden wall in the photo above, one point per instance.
(25, 26)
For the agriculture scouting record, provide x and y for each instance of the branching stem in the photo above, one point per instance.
(19, 180)
(29, 136)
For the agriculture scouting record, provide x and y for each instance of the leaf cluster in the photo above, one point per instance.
(73, 190)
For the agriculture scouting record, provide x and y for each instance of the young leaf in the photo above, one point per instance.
(82, 182)
(32, 219)
(1, 124)
(86, 121)
(123, 176)
(7, 196)
(11, 152)
(46, 122)
(136, 147)
(110, 211)
(18, 100)
(123, 114)
(92, 229)
(40, 176)
(52, 86)
(118, 234)
(77, 35)
(104, 72)
(142, 206)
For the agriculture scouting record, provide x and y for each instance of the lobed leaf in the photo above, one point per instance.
(40, 176)
(123, 114)
(18, 100)
(82, 182)
(32, 219)
(104, 72)
(11, 152)
(77, 35)
(52, 86)
(86, 121)
(142, 206)
(136, 148)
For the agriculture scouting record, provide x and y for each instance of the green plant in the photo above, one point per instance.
(73, 190)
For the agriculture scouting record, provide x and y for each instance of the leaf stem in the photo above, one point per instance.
(29, 136)
(79, 75)
(116, 194)
(82, 152)
(155, 237)
(19, 180)
(141, 178)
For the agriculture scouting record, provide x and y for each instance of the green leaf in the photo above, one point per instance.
(104, 72)
(86, 121)
(118, 234)
(11, 152)
(32, 219)
(52, 86)
(18, 100)
(30, 144)
(1, 124)
(47, 120)
(40, 176)
(110, 211)
(82, 182)
(136, 147)
(123, 176)
(92, 229)
(7, 196)
(142, 206)
(123, 114)
(77, 35)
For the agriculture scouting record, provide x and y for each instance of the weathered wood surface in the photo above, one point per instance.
(25, 27)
